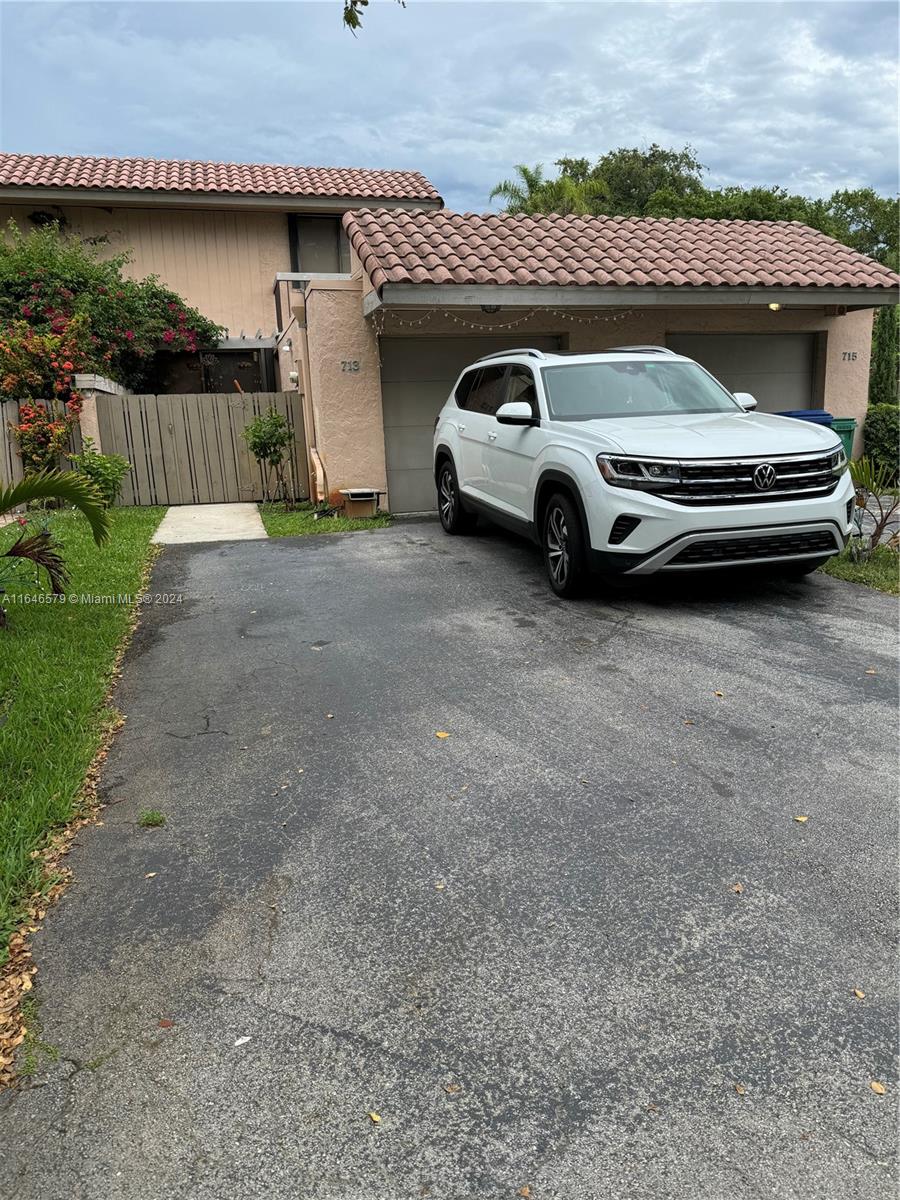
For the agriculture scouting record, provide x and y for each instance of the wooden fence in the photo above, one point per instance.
(10, 463)
(186, 449)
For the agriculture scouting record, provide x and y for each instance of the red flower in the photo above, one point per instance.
(27, 311)
(21, 521)
(129, 333)
(67, 366)
(169, 335)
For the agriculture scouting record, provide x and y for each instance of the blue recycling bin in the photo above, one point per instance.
(818, 416)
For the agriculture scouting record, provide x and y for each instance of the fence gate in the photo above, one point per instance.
(188, 449)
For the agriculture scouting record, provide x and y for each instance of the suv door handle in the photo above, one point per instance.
(492, 437)
(460, 429)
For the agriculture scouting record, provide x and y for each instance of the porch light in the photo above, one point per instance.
(490, 308)
(775, 307)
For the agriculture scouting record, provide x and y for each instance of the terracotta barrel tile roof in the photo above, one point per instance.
(465, 248)
(175, 175)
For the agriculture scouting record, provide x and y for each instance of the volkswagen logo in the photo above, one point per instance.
(764, 477)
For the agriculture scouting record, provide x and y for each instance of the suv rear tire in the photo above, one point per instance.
(454, 517)
(563, 543)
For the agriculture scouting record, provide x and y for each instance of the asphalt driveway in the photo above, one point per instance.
(521, 945)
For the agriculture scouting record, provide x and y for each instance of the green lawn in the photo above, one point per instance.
(301, 521)
(55, 666)
(882, 571)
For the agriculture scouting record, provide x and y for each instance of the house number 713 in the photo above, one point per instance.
(352, 364)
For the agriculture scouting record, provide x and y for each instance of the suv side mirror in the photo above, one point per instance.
(745, 400)
(515, 412)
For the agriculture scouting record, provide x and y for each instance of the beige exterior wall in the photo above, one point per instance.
(347, 412)
(222, 262)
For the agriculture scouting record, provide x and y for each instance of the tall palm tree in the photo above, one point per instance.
(40, 548)
(532, 193)
(521, 194)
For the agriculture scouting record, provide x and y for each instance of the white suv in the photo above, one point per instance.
(633, 461)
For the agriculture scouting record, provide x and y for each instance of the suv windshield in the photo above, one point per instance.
(585, 391)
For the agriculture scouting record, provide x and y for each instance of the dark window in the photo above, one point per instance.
(487, 394)
(320, 245)
(522, 388)
(464, 386)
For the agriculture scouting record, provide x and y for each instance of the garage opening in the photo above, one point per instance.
(416, 377)
(779, 369)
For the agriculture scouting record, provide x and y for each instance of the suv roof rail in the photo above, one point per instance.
(640, 350)
(517, 350)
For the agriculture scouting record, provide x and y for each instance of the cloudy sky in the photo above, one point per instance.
(801, 94)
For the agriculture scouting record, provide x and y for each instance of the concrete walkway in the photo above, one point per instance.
(210, 523)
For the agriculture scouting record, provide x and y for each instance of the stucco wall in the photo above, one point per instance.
(346, 402)
(221, 262)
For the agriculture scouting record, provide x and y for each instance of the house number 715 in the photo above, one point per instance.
(350, 364)
(848, 356)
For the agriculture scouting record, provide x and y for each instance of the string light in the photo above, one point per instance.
(397, 322)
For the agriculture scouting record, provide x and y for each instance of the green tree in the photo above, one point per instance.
(885, 356)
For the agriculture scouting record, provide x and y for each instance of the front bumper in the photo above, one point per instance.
(672, 537)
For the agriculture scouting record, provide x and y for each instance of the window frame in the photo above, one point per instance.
(535, 402)
(502, 378)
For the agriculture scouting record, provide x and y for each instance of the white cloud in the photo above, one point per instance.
(798, 94)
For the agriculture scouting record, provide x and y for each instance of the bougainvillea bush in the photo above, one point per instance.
(58, 286)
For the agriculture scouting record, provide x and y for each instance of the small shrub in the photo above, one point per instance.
(105, 471)
(877, 500)
(882, 437)
(269, 440)
(151, 818)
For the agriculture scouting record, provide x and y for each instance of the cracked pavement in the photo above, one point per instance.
(536, 913)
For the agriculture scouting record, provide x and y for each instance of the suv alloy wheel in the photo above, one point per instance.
(563, 545)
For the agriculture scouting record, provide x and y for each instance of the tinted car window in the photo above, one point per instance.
(487, 394)
(522, 388)
(464, 387)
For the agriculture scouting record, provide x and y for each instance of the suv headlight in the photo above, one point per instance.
(645, 474)
(838, 461)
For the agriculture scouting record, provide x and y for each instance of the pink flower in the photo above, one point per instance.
(129, 333)
(21, 521)
(27, 310)
(169, 335)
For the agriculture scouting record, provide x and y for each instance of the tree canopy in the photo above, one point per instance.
(659, 182)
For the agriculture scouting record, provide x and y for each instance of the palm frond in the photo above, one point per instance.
(42, 550)
(68, 486)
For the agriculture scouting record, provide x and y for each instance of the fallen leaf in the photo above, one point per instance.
(150, 875)
(165, 1023)
(524, 1191)
(740, 1089)
(329, 716)
(871, 671)
(442, 734)
(738, 887)
(859, 993)
(374, 1118)
(801, 820)
(689, 722)
(440, 885)
(653, 1108)
(452, 1088)
(878, 1088)
(719, 694)
(242, 1041)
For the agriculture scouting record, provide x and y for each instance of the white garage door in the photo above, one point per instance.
(776, 368)
(416, 377)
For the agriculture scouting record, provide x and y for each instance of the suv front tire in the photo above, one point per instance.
(563, 543)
